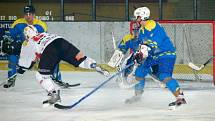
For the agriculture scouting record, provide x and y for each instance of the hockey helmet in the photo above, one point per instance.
(29, 9)
(142, 12)
(30, 31)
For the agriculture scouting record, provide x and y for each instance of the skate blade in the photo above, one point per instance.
(172, 108)
(132, 101)
(176, 107)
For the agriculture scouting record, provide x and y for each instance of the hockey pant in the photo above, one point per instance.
(56, 51)
(163, 70)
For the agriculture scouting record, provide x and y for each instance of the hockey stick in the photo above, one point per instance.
(197, 68)
(155, 79)
(117, 57)
(67, 85)
(2, 83)
(114, 41)
(59, 106)
(1, 45)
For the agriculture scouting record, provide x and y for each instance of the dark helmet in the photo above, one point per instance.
(29, 9)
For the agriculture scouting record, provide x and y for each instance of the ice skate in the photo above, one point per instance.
(10, 82)
(136, 98)
(179, 101)
(53, 97)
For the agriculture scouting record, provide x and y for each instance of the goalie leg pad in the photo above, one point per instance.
(45, 81)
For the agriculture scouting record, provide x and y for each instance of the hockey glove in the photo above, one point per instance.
(11, 47)
(141, 54)
(7, 45)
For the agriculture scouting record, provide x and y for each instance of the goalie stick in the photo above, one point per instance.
(1, 46)
(60, 106)
(197, 68)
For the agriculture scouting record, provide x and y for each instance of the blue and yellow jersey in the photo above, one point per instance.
(126, 40)
(127, 37)
(17, 28)
(154, 35)
(132, 44)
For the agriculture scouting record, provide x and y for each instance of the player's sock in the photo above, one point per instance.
(179, 101)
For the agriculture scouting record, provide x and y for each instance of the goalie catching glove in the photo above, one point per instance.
(21, 70)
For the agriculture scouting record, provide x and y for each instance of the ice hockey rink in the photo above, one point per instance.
(23, 102)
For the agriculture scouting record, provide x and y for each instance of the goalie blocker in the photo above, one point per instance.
(116, 59)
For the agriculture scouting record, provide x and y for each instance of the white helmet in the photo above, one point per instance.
(30, 31)
(142, 12)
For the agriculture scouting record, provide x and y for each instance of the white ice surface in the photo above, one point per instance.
(23, 102)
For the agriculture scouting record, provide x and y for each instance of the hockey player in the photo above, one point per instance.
(51, 49)
(12, 43)
(155, 49)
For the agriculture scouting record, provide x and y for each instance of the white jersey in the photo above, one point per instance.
(33, 46)
(42, 40)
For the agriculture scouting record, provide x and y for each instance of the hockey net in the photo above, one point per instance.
(194, 42)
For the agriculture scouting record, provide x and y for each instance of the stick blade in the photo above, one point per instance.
(60, 106)
(193, 66)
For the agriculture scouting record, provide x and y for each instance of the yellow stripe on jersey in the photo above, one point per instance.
(35, 22)
(150, 24)
(127, 37)
(18, 21)
(25, 43)
(41, 23)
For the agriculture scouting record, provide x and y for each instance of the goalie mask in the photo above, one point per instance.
(142, 12)
(134, 28)
(30, 31)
